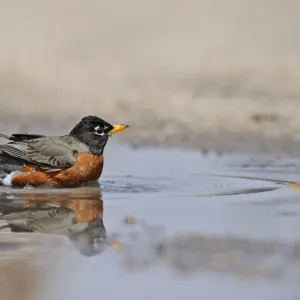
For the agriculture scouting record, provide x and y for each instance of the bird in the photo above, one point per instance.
(62, 218)
(64, 161)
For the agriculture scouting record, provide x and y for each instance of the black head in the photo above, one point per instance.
(94, 132)
(92, 240)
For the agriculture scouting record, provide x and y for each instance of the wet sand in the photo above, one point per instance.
(194, 222)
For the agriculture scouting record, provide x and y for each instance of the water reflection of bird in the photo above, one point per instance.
(78, 216)
(66, 161)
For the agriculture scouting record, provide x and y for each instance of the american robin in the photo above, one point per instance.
(66, 161)
(81, 220)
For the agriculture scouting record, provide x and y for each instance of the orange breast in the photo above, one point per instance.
(88, 167)
(85, 209)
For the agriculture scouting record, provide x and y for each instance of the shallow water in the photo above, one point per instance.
(160, 223)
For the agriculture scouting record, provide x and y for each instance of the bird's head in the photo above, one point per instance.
(95, 132)
(92, 240)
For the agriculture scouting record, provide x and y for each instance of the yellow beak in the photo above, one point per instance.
(117, 128)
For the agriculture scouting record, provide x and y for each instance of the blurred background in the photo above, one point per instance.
(217, 74)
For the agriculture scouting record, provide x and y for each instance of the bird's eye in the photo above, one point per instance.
(99, 130)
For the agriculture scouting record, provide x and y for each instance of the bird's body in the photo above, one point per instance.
(78, 219)
(66, 161)
(88, 167)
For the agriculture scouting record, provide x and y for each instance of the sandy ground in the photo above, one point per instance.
(221, 74)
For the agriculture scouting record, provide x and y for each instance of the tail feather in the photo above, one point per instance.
(21, 137)
(5, 169)
(9, 164)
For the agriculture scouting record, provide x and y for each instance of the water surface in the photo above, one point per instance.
(161, 223)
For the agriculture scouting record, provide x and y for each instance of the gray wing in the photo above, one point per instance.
(47, 152)
(55, 220)
(16, 219)
(54, 152)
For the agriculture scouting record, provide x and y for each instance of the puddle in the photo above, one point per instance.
(219, 226)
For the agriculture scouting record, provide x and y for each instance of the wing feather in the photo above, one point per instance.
(48, 152)
(19, 137)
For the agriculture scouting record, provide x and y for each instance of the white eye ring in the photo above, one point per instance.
(99, 133)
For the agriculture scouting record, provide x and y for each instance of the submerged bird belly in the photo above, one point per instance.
(88, 167)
